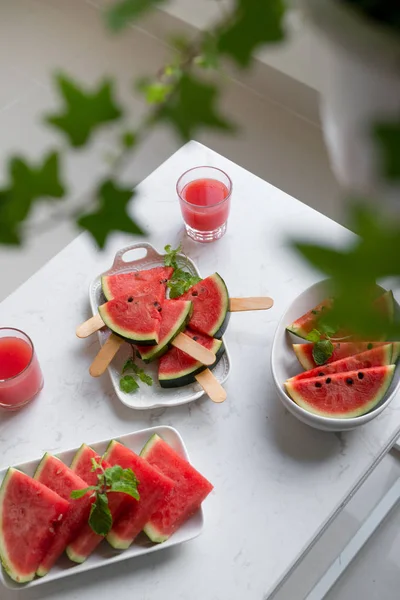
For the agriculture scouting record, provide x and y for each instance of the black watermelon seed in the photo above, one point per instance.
(130, 299)
(328, 380)
(195, 338)
(159, 308)
(349, 381)
(360, 375)
(321, 374)
(156, 303)
(195, 293)
(318, 384)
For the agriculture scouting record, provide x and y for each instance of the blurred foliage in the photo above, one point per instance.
(386, 12)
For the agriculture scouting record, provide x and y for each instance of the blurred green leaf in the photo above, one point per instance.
(128, 139)
(111, 214)
(27, 184)
(155, 92)
(254, 23)
(209, 55)
(84, 111)
(122, 13)
(388, 136)
(191, 107)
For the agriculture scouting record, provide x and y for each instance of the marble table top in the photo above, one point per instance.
(277, 482)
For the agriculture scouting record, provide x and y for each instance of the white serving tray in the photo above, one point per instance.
(154, 396)
(104, 554)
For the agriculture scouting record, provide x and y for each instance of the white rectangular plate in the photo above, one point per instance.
(105, 555)
(154, 396)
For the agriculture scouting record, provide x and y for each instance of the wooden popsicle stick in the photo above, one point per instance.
(194, 349)
(211, 386)
(105, 355)
(90, 326)
(252, 303)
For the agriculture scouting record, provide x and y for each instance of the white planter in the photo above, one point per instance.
(362, 87)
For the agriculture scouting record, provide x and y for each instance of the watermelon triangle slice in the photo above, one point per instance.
(135, 318)
(147, 281)
(55, 475)
(304, 352)
(342, 395)
(377, 357)
(86, 540)
(153, 488)
(174, 316)
(210, 299)
(191, 488)
(30, 514)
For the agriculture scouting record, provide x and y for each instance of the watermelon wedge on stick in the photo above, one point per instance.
(377, 357)
(304, 352)
(154, 488)
(55, 475)
(86, 540)
(30, 514)
(191, 488)
(147, 281)
(342, 395)
(210, 299)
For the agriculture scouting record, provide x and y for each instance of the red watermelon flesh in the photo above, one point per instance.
(340, 350)
(146, 281)
(136, 318)
(174, 316)
(30, 514)
(191, 488)
(86, 541)
(210, 306)
(176, 368)
(377, 357)
(52, 473)
(342, 395)
(153, 488)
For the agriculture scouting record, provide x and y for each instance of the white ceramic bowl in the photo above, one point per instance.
(284, 364)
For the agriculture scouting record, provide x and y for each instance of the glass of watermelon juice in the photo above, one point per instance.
(20, 374)
(205, 198)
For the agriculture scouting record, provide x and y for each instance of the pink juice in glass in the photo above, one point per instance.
(205, 198)
(20, 375)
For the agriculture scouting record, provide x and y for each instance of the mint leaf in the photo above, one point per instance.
(170, 256)
(145, 378)
(128, 384)
(100, 519)
(112, 474)
(322, 351)
(111, 214)
(84, 111)
(125, 487)
(76, 494)
(313, 336)
(327, 329)
(129, 364)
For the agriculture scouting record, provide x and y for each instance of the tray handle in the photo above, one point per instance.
(120, 262)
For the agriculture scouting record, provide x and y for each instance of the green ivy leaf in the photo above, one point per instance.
(191, 107)
(84, 111)
(254, 23)
(111, 214)
(155, 92)
(128, 139)
(26, 185)
(209, 56)
(388, 136)
(122, 13)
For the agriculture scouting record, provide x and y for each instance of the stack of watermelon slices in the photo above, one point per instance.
(137, 309)
(39, 520)
(353, 380)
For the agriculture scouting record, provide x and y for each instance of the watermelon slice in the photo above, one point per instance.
(340, 350)
(86, 541)
(190, 490)
(122, 284)
(136, 318)
(153, 488)
(175, 315)
(310, 320)
(377, 357)
(176, 368)
(210, 306)
(29, 516)
(342, 395)
(52, 473)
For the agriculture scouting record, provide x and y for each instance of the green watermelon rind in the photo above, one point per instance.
(223, 321)
(76, 558)
(40, 572)
(114, 540)
(5, 561)
(149, 529)
(188, 376)
(162, 347)
(104, 286)
(395, 351)
(127, 334)
(362, 410)
(77, 456)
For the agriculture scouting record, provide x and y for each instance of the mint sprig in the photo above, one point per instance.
(128, 383)
(181, 280)
(322, 348)
(111, 479)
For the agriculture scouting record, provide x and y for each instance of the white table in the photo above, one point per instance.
(277, 482)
